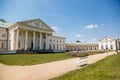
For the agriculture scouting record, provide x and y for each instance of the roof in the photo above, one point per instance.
(106, 38)
(58, 36)
(83, 43)
(32, 20)
(5, 24)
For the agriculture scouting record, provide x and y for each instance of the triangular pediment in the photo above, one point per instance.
(105, 39)
(37, 23)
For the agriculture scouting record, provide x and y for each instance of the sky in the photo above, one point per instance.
(84, 20)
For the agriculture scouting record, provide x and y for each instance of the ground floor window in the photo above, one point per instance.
(111, 46)
(102, 47)
(2, 46)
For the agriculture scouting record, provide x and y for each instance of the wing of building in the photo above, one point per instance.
(81, 46)
(105, 43)
(29, 35)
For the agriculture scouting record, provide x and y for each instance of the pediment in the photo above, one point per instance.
(37, 23)
(106, 39)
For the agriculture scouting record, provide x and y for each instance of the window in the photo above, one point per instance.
(50, 46)
(53, 46)
(50, 40)
(111, 46)
(53, 40)
(102, 47)
(57, 47)
(2, 45)
(3, 35)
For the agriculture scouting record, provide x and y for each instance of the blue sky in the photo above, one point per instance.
(85, 20)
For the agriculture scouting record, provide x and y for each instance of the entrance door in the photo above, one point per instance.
(32, 44)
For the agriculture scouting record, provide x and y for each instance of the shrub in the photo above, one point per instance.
(83, 53)
(78, 54)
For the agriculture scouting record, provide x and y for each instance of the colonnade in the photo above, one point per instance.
(34, 40)
(82, 48)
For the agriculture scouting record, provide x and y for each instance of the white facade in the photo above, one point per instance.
(81, 46)
(104, 44)
(32, 35)
(36, 35)
(58, 43)
(109, 44)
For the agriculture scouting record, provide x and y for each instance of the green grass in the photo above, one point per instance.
(106, 69)
(31, 59)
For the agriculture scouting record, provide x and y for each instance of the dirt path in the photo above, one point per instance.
(44, 71)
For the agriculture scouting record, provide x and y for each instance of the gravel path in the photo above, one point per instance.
(44, 71)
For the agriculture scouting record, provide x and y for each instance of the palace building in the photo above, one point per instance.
(31, 34)
(103, 44)
(37, 35)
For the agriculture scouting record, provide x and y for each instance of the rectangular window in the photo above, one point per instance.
(2, 45)
(102, 47)
(50, 40)
(3, 35)
(111, 46)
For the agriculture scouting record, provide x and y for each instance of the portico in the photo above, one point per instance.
(26, 39)
(32, 35)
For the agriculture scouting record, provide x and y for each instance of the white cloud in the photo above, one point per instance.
(79, 35)
(91, 26)
(55, 28)
(94, 40)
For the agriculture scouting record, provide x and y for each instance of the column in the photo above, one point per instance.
(46, 46)
(12, 40)
(17, 40)
(40, 44)
(33, 40)
(51, 41)
(26, 40)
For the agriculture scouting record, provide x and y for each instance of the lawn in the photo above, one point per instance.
(106, 69)
(31, 59)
